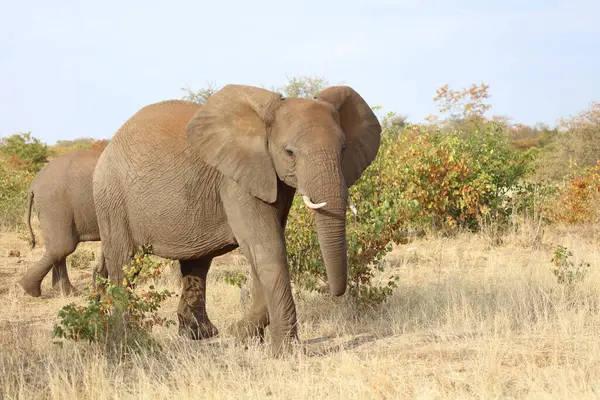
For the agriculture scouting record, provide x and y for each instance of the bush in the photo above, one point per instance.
(64, 146)
(14, 184)
(565, 271)
(576, 142)
(21, 157)
(457, 177)
(531, 200)
(24, 151)
(120, 317)
(576, 202)
(100, 144)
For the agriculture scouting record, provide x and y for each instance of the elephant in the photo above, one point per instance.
(196, 182)
(62, 192)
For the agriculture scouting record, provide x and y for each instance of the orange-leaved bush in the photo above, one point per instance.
(455, 177)
(579, 199)
(21, 157)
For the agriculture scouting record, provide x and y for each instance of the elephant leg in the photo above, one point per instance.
(114, 258)
(191, 312)
(60, 243)
(257, 228)
(274, 280)
(31, 282)
(99, 268)
(60, 277)
(253, 324)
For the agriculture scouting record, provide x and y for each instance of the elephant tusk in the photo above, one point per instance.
(312, 205)
(352, 206)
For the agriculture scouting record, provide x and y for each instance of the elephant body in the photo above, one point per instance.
(62, 192)
(159, 195)
(164, 196)
(197, 181)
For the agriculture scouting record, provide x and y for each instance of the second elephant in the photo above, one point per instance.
(62, 192)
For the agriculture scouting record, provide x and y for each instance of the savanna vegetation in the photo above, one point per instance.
(473, 258)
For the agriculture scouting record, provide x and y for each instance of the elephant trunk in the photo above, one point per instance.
(331, 224)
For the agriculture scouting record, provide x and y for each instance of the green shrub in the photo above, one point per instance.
(565, 271)
(21, 157)
(24, 151)
(120, 317)
(14, 184)
(456, 177)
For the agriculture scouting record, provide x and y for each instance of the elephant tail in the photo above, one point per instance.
(29, 205)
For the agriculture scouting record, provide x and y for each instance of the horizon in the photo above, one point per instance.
(70, 70)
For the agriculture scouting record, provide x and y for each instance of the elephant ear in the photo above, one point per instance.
(229, 132)
(360, 126)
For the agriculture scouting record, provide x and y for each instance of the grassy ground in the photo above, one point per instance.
(468, 321)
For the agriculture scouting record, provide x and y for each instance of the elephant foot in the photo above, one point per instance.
(197, 330)
(283, 339)
(33, 289)
(281, 347)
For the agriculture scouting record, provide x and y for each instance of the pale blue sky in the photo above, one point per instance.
(81, 68)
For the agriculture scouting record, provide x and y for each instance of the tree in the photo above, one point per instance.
(201, 95)
(464, 109)
(463, 104)
(525, 136)
(303, 87)
(576, 144)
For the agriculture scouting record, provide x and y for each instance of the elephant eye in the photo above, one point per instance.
(290, 153)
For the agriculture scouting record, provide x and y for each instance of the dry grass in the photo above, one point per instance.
(468, 320)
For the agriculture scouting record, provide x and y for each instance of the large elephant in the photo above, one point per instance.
(196, 182)
(64, 201)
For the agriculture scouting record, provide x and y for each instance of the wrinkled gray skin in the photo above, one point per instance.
(62, 192)
(196, 182)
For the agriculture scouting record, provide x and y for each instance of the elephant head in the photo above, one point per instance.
(319, 146)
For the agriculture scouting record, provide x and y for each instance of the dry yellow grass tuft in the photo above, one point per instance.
(468, 321)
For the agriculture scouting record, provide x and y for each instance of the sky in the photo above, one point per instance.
(73, 69)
